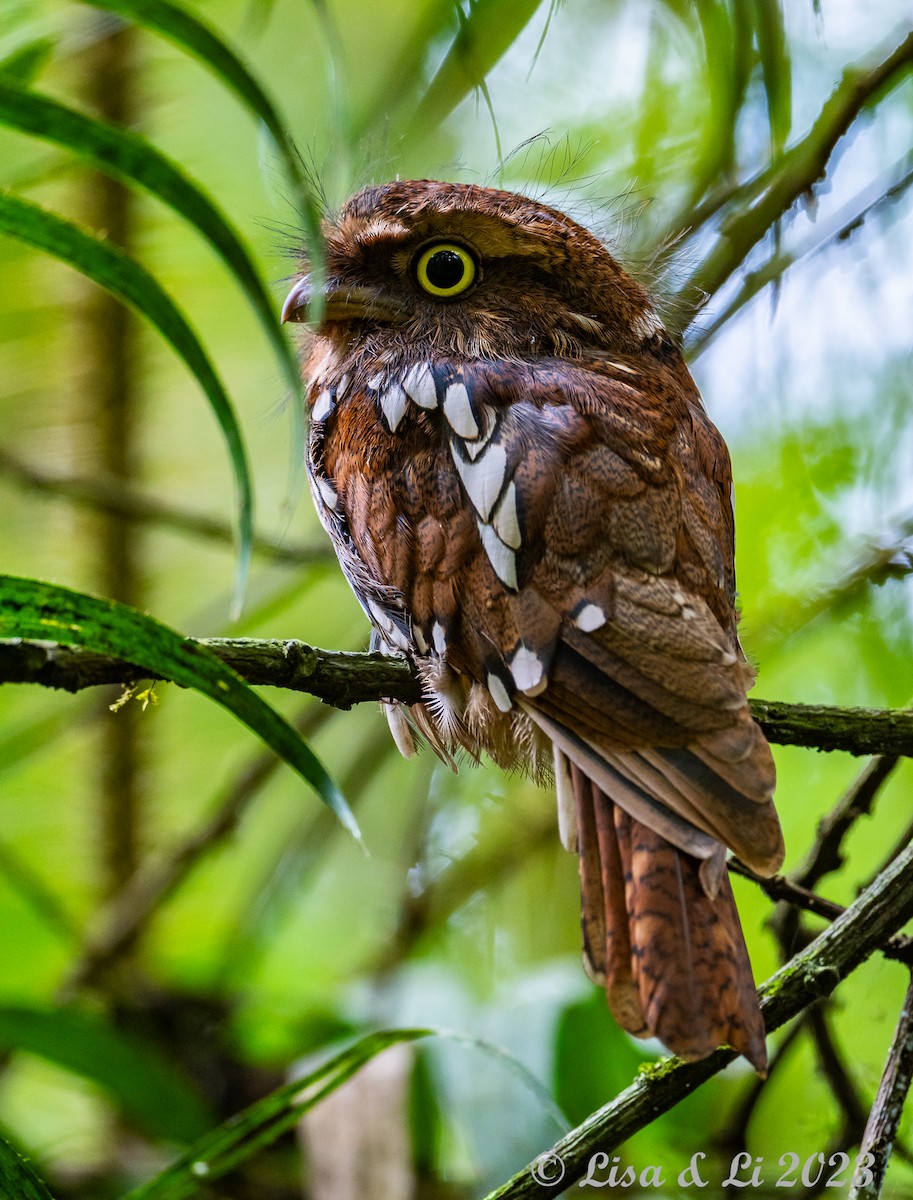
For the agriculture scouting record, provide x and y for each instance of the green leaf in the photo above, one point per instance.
(261, 1124)
(243, 1135)
(776, 68)
(484, 34)
(130, 157)
(27, 62)
(199, 40)
(132, 283)
(32, 609)
(17, 1179)
(144, 1087)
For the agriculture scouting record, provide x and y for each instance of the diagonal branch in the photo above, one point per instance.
(884, 1119)
(878, 913)
(850, 218)
(826, 856)
(800, 168)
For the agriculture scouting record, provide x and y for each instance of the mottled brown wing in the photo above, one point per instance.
(564, 538)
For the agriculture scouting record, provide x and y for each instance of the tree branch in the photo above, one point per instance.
(881, 1129)
(823, 727)
(799, 169)
(336, 677)
(854, 936)
(826, 856)
(849, 219)
(343, 679)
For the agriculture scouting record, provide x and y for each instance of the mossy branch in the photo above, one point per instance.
(880, 911)
(343, 679)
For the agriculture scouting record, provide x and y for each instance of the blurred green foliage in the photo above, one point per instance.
(749, 154)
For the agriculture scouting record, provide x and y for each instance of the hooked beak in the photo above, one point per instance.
(341, 304)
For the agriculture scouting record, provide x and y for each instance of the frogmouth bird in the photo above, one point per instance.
(528, 498)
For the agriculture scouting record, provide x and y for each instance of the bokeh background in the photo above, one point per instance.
(183, 925)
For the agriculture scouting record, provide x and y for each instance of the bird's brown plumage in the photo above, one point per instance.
(527, 496)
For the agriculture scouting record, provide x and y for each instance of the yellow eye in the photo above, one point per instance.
(445, 269)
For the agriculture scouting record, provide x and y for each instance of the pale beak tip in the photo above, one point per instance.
(295, 306)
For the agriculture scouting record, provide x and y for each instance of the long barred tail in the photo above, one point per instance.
(662, 934)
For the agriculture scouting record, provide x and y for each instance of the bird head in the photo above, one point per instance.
(472, 272)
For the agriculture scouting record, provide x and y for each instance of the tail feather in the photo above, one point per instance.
(716, 789)
(606, 943)
(671, 956)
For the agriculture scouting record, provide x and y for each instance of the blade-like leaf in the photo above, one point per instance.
(32, 609)
(131, 157)
(27, 62)
(485, 33)
(265, 1121)
(199, 40)
(132, 283)
(773, 52)
(146, 1089)
(261, 1124)
(17, 1178)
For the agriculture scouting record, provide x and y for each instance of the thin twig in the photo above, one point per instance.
(826, 855)
(846, 222)
(121, 921)
(117, 498)
(779, 888)
(881, 1129)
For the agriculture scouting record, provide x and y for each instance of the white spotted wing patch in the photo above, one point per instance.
(327, 493)
(439, 638)
(419, 385)
(393, 401)
(499, 692)
(567, 803)
(394, 627)
(483, 478)
(458, 411)
(484, 467)
(391, 398)
(528, 670)
(323, 405)
(501, 557)
(506, 520)
(488, 422)
(588, 617)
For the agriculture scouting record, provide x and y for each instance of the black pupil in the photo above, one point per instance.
(445, 269)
